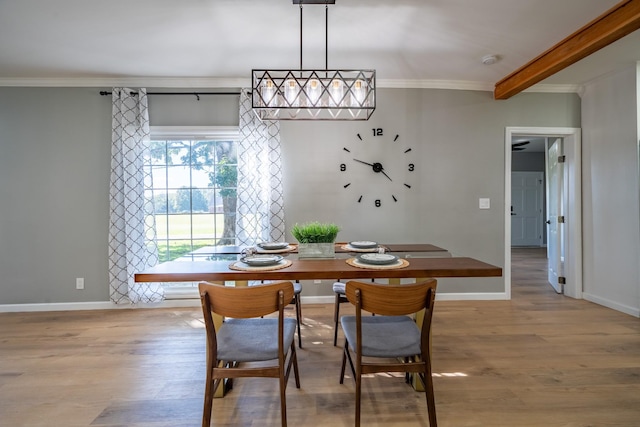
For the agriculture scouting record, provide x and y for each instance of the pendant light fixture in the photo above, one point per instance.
(314, 94)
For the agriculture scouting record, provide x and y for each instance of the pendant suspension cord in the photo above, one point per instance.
(301, 36)
(326, 37)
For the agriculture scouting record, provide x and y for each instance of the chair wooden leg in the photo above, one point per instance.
(358, 395)
(428, 391)
(336, 318)
(344, 363)
(283, 398)
(294, 361)
(209, 390)
(299, 319)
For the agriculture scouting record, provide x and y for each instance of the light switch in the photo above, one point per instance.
(485, 203)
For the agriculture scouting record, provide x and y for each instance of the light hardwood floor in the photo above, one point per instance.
(540, 359)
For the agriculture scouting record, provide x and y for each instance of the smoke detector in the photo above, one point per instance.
(490, 59)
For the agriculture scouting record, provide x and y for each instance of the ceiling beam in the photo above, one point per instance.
(617, 22)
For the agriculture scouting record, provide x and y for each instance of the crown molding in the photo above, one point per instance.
(206, 82)
(155, 82)
(434, 84)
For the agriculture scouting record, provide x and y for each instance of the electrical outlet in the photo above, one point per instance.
(80, 283)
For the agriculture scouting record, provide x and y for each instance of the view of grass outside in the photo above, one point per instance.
(175, 233)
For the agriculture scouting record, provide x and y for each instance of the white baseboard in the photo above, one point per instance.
(318, 299)
(439, 297)
(57, 306)
(195, 302)
(633, 311)
(94, 305)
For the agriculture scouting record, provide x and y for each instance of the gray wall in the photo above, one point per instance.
(610, 192)
(54, 187)
(458, 143)
(55, 158)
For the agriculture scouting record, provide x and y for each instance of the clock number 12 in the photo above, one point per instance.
(377, 131)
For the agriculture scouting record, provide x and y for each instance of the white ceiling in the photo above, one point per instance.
(198, 43)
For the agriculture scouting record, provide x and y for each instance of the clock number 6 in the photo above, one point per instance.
(343, 167)
(378, 203)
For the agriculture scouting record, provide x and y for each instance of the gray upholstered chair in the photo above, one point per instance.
(391, 341)
(247, 337)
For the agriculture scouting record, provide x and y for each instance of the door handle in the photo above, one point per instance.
(512, 214)
(548, 221)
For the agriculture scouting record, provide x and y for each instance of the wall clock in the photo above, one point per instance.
(376, 166)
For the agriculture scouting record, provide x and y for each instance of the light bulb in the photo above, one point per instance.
(291, 93)
(337, 92)
(313, 91)
(359, 93)
(268, 92)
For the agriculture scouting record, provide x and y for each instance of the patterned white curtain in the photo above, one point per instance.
(132, 239)
(260, 208)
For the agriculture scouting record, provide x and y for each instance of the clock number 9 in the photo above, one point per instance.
(343, 167)
(377, 131)
(378, 203)
(411, 167)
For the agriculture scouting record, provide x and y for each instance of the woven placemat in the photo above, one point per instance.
(401, 263)
(241, 266)
(289, 248)
(352, 249)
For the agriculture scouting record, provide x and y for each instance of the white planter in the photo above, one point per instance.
(316, 250)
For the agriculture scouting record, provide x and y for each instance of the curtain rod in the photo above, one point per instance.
(196, 94)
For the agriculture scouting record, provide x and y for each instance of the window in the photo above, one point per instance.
(194, 175)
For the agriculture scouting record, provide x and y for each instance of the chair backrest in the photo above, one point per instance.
(245, 301)
(392, 300)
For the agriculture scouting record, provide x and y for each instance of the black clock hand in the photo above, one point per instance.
(377, 167)
(386, 175)
(368, 164)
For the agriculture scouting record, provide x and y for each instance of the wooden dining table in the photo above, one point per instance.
(315, 269)
(424, 261)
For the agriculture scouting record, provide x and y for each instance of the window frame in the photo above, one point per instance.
(219, 133)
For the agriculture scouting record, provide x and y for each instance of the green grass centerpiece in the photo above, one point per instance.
(316, 240)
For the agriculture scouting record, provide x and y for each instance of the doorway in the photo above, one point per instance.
(570, 232)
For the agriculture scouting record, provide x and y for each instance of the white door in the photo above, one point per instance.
(526, 208)
(555, 218)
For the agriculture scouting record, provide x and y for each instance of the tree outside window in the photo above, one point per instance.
(194, 192)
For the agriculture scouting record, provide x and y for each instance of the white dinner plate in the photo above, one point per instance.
(273, 245)
(261, 260)
(363, 244)
(377, 259)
